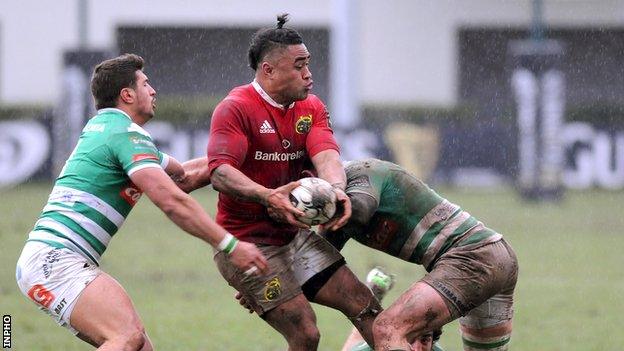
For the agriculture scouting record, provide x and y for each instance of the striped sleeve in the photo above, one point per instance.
(134, 151)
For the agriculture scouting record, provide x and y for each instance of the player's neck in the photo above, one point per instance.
(134, 116)
(270, 90)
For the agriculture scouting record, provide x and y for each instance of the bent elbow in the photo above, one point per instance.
(217, 179)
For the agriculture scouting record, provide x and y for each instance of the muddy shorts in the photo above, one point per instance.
(290, 266)
(477, 283)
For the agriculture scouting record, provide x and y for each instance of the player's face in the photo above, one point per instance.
(292, 78)
(423, 343)
(145, 96)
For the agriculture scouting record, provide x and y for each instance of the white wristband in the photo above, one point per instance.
(228, 243)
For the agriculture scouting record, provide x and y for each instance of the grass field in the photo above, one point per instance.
(570, 294)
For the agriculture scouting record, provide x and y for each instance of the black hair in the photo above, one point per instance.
(436, 334)
(267, 39)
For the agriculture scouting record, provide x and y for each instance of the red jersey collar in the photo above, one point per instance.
(267, 98)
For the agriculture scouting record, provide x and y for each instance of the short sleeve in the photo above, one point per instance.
(228, 141)
(135, 150)
(321, 135)
(362, 183)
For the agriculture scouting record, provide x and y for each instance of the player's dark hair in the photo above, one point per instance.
(110, 76)
(268, 39)
(436, 334)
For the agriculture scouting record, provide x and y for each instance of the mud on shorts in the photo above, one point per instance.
(53, 278)
(290, 266)
(477, 283)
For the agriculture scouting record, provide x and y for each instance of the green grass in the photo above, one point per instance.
(569, 295)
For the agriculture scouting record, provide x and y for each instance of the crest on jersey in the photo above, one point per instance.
(303, 125)
(272, 289)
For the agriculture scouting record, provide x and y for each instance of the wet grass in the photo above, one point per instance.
(569, 296)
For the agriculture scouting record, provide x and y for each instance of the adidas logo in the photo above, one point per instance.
(266, 128)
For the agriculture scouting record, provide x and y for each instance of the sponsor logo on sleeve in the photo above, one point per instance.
(41, 295)
(141, 141)
(131, 194)
(143, 157)
(303, 124)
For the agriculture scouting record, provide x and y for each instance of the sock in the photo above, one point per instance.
(496, 343)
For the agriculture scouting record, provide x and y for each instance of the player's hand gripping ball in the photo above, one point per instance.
(316, 198)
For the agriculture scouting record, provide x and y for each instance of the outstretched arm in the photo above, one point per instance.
(196, 174)
(185, 212)
(174, 168)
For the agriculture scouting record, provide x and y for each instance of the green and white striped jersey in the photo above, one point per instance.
(93, 195)
(411, 221)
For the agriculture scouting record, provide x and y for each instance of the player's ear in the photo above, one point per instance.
(267, 68)
(127, 95)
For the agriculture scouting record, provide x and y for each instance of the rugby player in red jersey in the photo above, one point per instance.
(262, 136)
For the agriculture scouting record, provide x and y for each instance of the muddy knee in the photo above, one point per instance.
(308, 338)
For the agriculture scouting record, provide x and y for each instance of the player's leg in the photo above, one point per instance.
(416, 312)
(345, 293)
(489, 326)
(494, 338)
(296, 321)
(105, 316)
(60, 280)
(276, 296)
(379, 282)
(327, 280)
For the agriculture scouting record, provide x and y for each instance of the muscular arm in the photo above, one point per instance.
(231, 181)
(174, 168)
(196, 174)
(329, 167)
(187, 214)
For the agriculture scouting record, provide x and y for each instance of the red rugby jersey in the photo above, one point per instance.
(270, 145)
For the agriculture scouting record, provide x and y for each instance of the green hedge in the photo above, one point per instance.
(382, 114)
(22, 111)
(180, 110)
(197, 111)
(600, 114)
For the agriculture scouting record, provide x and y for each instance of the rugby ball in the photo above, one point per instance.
(316, 198)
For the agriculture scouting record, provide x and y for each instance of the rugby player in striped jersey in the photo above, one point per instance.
(114, 162)
(472, 271)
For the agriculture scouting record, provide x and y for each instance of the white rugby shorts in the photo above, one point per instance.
(53, 278)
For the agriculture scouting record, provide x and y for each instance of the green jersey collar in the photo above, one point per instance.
(113, 110)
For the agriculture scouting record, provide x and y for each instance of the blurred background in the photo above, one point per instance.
(513, 107)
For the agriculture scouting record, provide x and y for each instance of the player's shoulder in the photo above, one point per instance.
(238, 99)
(368, 165)
(109, 121)
(240, 95)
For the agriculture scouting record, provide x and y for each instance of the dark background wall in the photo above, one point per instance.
(210, 61)
(593, 65)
